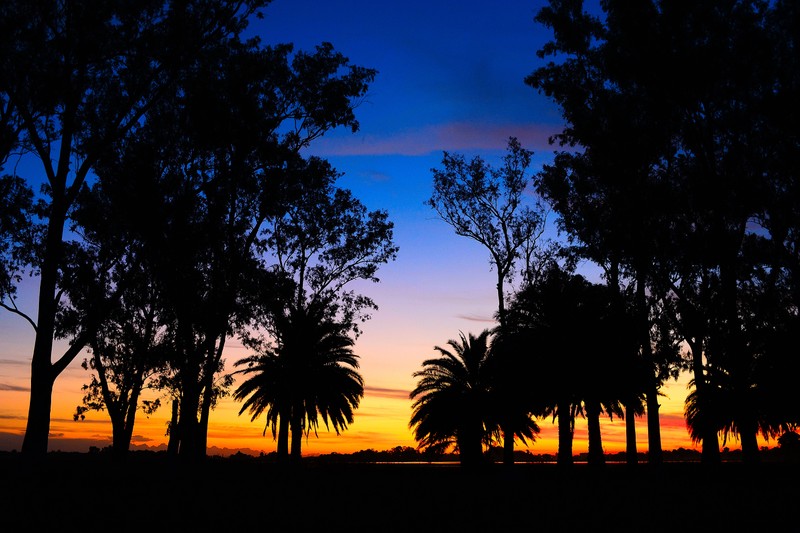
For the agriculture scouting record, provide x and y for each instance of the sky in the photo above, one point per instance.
(450, 78)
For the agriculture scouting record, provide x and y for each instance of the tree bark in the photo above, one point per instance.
(564, 457)
(595, 455)
(631, 452)
(42, 373)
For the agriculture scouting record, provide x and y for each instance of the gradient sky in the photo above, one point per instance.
(450, 78)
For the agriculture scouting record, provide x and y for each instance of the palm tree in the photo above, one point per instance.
(327, 383)
(451, 399)
(461, 399)
(267, 392)
(310, 374)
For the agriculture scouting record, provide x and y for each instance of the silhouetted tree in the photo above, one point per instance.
(670, 137)
(128, 348)
(486, 204)
(323, 239)
(565, 325)
(607, 193)
(310, 372)
(452, 402)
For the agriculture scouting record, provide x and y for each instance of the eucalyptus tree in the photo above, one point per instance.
(112, 298)
(608, 189)
(666, 111)
(323, 239)
(79, 76)
(567, 326)
(487, 204)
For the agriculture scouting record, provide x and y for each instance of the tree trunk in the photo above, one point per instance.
(508, 446)
(173, 444)
(595, 456)
(749, 437)
(190, 404)
(508, 431)
(297, 438)
(564, 457)
(655, 454)
(470, 446)
(211, 365)
(631, 452)
(42, 373)
(709, 454)
(283, 436)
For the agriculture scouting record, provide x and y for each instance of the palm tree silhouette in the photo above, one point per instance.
(267, 392)
(311, 374)
(453, 400)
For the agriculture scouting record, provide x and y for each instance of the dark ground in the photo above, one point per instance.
(72, 492)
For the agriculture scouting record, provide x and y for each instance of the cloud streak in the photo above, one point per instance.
(15, 362)
(13, 388)
(456, 136)
(379, 392)
(476, 318)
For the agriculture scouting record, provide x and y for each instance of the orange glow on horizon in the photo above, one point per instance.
(381, 423)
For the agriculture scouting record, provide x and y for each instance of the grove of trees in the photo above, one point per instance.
(676, 174)
(175, 205)
(174, 208)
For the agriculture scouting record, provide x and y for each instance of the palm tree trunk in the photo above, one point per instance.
(749, 437)
(297, 438)
(596, 456)
(283, 436)
(631, 453)
(564, 458)
(508, 446)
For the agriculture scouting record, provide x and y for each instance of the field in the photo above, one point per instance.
(73, 492)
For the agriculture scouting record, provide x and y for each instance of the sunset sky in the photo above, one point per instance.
(450, 78)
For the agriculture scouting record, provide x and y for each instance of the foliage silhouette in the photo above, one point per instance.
(668, 179)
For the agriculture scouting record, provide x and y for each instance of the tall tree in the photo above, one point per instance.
(79, 76)
(487, 205)
(665, 109)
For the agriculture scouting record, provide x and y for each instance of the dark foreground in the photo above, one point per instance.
(81, 492)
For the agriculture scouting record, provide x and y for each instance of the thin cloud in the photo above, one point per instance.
(395, 394)
(457, 136)
(476, 318)
(15, 362)
(13, 388)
